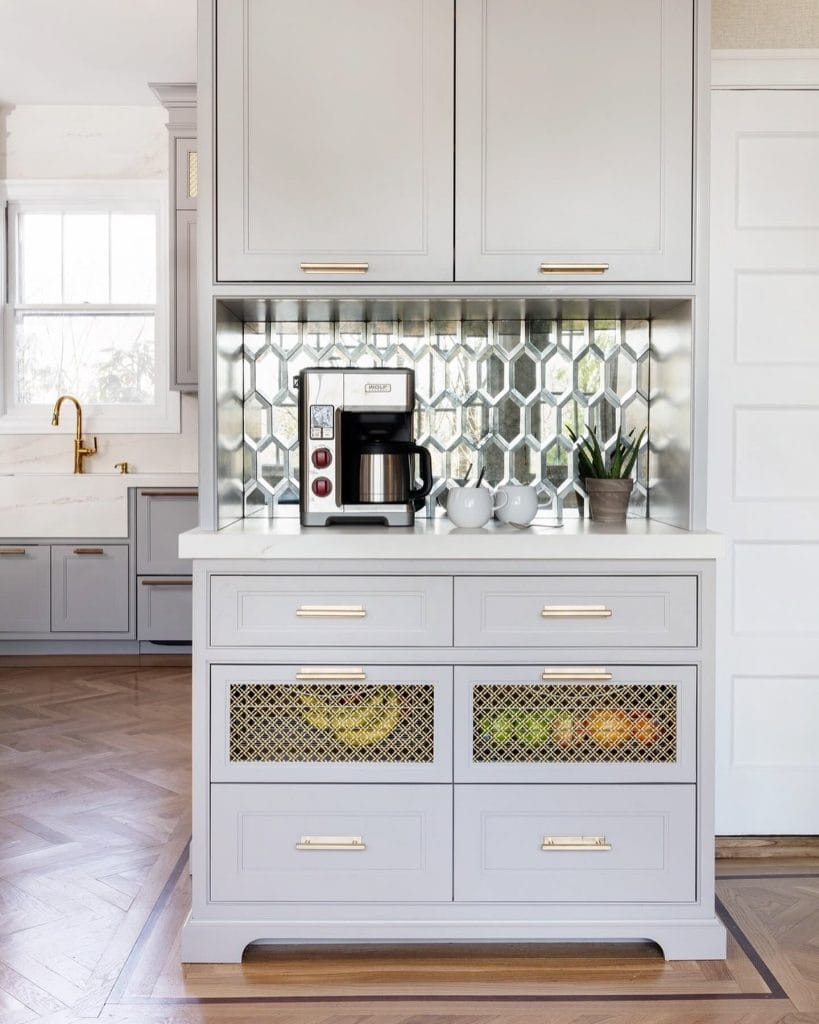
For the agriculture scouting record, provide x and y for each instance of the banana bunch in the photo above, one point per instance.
(358, 726)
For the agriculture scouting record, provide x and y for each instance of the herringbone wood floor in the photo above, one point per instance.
(94, 823)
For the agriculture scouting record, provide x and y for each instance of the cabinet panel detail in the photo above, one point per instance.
(25, 588)
(164, 609)
(576, 611)
(527, 723)
(338, 163)
(348, 611)
(564, 168)
(161, 517)
(331, 843)
(336, 723)
(575, 844)
(90, 589)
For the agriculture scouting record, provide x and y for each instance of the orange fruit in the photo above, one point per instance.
(646, 730)
(609, 727)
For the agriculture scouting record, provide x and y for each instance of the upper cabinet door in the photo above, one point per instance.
(574, 140)
(334, 140)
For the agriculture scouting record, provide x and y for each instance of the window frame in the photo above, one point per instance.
(163, 416)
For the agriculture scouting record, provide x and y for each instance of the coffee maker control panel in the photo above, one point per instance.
(321, 422)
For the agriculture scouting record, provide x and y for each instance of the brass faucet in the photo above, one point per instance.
(80, 451)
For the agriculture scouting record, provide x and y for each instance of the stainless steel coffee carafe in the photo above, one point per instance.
(385, 473)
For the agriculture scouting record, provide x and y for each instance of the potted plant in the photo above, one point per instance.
(607, 479)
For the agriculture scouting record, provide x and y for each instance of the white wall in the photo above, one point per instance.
(65, 142)
(765, 24)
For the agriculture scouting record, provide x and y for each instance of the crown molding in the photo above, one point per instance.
(765, 69)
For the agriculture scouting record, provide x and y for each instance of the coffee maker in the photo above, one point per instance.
(356, 451)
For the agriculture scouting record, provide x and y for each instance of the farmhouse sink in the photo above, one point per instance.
(68, 505)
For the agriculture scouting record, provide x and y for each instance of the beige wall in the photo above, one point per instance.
(765, 24)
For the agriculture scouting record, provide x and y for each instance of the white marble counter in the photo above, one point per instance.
(439, 539)
(74, 506)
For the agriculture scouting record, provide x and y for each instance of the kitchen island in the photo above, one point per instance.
(432, 734)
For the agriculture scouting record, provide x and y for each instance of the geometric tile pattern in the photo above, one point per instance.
(331, 724)
(574, 724)
(497, 394)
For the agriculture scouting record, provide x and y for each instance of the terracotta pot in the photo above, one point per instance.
(608, 499)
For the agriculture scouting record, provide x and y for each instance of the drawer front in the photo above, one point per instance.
(545, 723)
(576, 611)
(575, 844)
(315, 611)
(364, 844)
(161, 517)
(318, 723)
(91, 585)
(25, 588)
(164, 609)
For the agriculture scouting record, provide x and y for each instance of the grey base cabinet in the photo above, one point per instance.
(90, 588)
(25, 588)
(498, 771)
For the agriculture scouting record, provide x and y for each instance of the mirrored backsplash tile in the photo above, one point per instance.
(497, 394)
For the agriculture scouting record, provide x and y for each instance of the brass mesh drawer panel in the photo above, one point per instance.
(371, 723)
(574, 724)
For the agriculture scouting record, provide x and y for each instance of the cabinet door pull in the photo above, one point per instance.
(314, 672)
(170, 494)
(575, 673)
(573, 268)
(576, 611)
(331, 611)
(575, 844)
(334, 268)
(167, 583)
(350, 843)
(88, 551)
(12, 551)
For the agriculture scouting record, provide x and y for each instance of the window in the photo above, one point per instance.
(85, 312)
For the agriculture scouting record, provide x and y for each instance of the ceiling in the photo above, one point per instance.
(94, 51)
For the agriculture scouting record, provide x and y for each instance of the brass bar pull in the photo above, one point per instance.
(350, 843)
(170, 494)
(12, 551)
(573, 268)
(331, 611)
(576, 611)
(334, 268)
(320, 672)
(88, 551)
(167, 583)
(573, 672)
(575, 844)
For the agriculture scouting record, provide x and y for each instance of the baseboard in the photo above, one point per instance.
(94, 660)
(729, 847)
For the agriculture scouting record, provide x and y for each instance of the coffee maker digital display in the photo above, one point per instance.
(356, 453)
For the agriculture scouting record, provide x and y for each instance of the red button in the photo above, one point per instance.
(322, 487)
(321, 458)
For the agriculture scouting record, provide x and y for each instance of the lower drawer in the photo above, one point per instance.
(164, 609)
(334, 843)
(573, 844)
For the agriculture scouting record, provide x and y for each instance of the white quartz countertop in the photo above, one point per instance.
(438, 539)
(74, 505)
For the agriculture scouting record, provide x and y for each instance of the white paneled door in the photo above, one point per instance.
(763, 464)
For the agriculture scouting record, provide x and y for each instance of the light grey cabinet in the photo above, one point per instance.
(164, 609)
(337, 844)
(184, 351)
(399, 781)
(179, 99)
(575, 844)
(160, 517)
(90, 588)
(334, 123)
(25, 588)
(574, 140)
